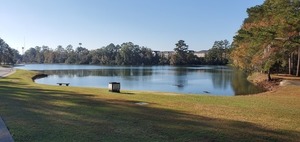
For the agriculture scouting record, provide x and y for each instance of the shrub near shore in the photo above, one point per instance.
(35, 112)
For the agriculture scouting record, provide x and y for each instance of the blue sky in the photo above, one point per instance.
(157, 24)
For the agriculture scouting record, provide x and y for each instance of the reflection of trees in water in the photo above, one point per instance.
(103, 72)
(221, 77)
(181, 77)
(241, 85)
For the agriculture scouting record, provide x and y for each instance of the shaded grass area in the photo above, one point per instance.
(36, 112)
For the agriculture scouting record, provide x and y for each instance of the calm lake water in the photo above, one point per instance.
(214, 80)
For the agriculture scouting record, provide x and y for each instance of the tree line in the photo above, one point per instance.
(125, 54)
(269, 39)
(8, 55)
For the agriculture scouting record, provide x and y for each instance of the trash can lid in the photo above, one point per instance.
(114, 82)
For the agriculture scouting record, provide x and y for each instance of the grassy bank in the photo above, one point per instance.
(35, 112)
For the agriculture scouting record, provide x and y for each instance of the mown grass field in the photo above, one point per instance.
(35, 112)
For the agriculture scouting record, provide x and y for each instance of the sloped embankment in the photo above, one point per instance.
(261, 80)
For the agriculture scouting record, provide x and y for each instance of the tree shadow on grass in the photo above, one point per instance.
(34, 114)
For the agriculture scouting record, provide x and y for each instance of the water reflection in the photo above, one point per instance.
(181, 77)
(221, 77)
(126, 73)
(217, 80)
(241, 86)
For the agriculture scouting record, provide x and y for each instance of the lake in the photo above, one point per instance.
(212, 80)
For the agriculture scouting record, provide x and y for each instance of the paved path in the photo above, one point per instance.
(5, 136)
(6, 71)
(4, 133)
(289, 82)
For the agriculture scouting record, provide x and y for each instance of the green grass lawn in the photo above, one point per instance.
(35, 112)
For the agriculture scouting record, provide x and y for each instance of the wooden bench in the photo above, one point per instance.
(67, 84)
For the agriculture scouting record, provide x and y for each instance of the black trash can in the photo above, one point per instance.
(114, 87)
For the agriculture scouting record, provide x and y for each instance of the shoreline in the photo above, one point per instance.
(260, 80)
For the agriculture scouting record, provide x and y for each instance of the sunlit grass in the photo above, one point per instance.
(35, 112)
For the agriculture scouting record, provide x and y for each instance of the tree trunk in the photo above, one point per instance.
(269, 75)
(290, 65)
(298, 63)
